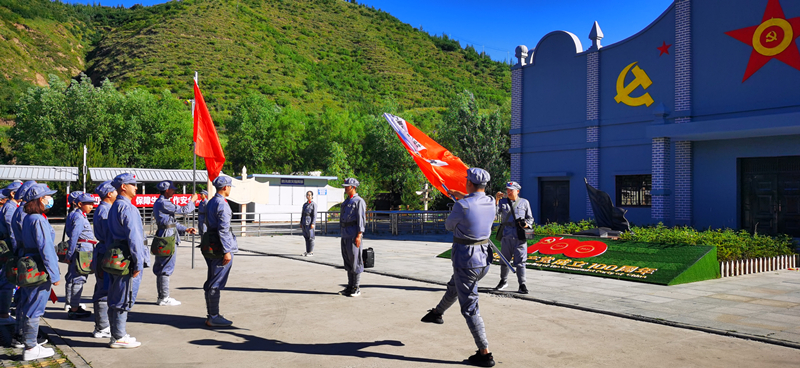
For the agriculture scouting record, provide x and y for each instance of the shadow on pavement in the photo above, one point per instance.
(401, 287)
(349, 349)
(261, 290)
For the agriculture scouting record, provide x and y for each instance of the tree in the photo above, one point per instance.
(479, 139)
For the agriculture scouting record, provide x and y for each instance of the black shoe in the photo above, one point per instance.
(433, 317)
(482, 360)
(502, 285)
(346, 291)
(523, 289)
(79, 314)
(41, 338)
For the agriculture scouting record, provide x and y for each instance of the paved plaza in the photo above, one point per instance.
(286, 313)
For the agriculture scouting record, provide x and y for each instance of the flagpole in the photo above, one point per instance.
(194, 174)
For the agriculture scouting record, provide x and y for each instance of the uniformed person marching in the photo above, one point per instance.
(125, 226)
(37, 241)
(81, 239)
(352, 220)
(471, 223)
(72, 216)
(219, 222)
(201, 213)
(108, 195)
(6, 287)
(164, 213)
(308, 220)
(514, 249)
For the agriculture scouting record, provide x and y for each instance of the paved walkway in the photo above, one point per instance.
(287, 313)
(763, 306)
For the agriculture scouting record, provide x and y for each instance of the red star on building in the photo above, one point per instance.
(774, 38)
(664, 48)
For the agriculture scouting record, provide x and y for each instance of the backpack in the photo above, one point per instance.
(62, 248)
(30, 272)
(11, 269)
(117, 260)
(211, 246)
(163, 247)
(5, 251)
(84, 265)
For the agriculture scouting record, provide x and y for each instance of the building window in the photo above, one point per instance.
(634, 190)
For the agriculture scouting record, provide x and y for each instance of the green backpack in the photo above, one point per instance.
(5, 251)
(11, 269)
(84, 265)
(117, 260)
(163, 247)
(211, 246)
(30, 272)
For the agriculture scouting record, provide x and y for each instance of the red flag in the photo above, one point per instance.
(205, 137)
(440, 167)
(53, 297)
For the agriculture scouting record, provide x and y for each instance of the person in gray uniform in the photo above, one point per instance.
(308, 219)
(6, 287)
(202, 212)
(471, 223)
(125, 228)
(514, 249)
(352, 220)
(81, 239)
(219, 222)
(107, 193)
(164, 212)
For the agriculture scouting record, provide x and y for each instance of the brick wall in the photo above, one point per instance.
(683, 103)
(592, 132)
(660, 209)
(516, 123)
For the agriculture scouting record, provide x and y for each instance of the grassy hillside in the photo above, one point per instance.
(308, 54)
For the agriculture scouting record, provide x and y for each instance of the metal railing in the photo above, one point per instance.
(378, 222)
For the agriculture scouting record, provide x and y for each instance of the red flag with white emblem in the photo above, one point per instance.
(441, 168)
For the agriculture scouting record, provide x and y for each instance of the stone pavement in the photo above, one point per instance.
(286, 313)
(763, 307)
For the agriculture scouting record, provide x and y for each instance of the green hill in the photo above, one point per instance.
(311, 55)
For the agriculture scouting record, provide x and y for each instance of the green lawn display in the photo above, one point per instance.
(634, 261)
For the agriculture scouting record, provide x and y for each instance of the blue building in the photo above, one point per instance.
(694, 120)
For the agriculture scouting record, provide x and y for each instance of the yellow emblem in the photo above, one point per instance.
(772, 36)
(640, 79)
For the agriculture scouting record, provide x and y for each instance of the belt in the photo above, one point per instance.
(170, 226)
(92, 242)
(464, 241)
(350, 223)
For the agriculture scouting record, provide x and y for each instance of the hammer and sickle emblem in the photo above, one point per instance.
(772, 36)
(640, 79)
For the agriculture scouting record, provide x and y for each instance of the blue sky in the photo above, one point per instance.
(498, 26)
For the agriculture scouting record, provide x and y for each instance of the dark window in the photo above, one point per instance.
(634, 190)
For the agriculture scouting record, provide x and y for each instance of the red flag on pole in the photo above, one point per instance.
(440, 167)
(205, 137)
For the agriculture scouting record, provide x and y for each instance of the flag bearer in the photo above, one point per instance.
(308, 218)
(125, 226)
(471, 223)
(352, 220)
(81, 239)
(37, 238)
(108, 195)
(514, 249)
(164, 212)
(219, 222)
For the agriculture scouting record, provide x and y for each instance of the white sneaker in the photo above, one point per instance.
(168, 302)
(103, 334)
(356, 292)
(304, 254)
(37, 352)
(80, 306)
(7, 321)
(310, 254)
(126, 342)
